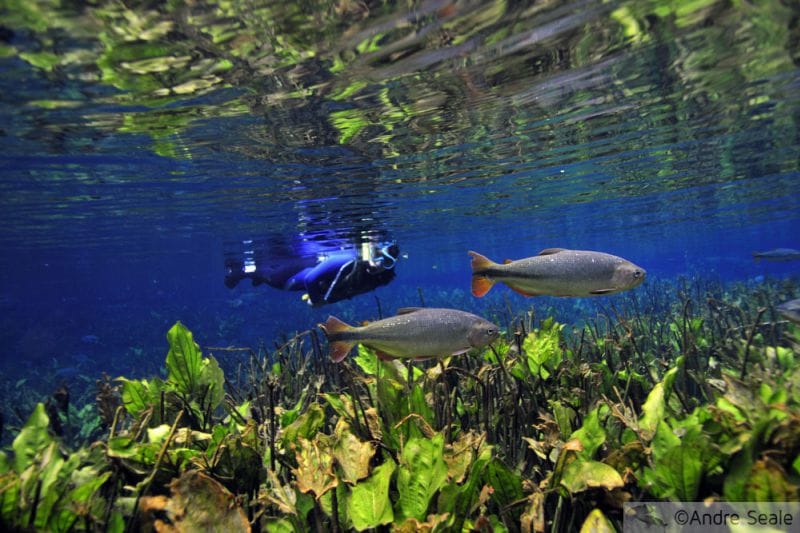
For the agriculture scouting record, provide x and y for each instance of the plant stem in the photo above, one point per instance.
(761, 311)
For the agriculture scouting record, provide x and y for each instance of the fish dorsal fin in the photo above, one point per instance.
(407, 310)
(551, 251)
(507, 261)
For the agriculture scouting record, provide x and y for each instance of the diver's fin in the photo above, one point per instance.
(601, 291)
(551, 251)
(234, 273)
(232, 280)
(407, 310)
(339, 348)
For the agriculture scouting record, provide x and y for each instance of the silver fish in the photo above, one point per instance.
(790, 310)
(413, 333)
(778, 254)
(557, 272)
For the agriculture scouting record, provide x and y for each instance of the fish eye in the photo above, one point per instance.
(637, 274)
(491, 331)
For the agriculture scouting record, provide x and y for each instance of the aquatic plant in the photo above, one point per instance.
(681, 394)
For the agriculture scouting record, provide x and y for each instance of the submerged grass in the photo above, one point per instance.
(675, 392)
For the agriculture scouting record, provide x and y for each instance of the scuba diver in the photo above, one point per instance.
(330, 274)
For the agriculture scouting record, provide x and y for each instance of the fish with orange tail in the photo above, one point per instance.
(557, 272)
(414, 333)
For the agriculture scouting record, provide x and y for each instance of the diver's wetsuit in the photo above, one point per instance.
(341, 275)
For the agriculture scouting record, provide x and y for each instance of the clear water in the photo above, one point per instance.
(141, 145)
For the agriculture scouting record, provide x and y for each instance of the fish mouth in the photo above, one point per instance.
(637, 277)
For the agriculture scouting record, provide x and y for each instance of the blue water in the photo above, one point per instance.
(118, 205)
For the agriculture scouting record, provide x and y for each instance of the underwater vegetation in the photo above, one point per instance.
(680, 392)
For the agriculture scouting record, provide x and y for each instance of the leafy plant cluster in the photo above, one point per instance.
(677, 396)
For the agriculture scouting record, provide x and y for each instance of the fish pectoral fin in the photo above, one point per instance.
(424, 358)
(383, 356)
(481, 285)
(524, 293)
(407, 310)
(551, 251)
(339, 350)
(602, 291)
(460, 352)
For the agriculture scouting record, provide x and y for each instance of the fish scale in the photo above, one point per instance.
(558, 272)
(413, 333)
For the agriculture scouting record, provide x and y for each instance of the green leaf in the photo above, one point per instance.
(542, 349)
(768, 483)
(305, 426)
(116, 523)
(652, 412)
(459, 500)
(211, 382)
(32, 439)
(506, 484)
(52, 474)
(9, 497)
(422, 472)
(581, 474)
(677, 473)
(369, 504)
(278, 525)
(184, 360)
(351, 453)
(591, 433)
(563, 415)
(81, 495)
(200, 503)
(139, 395)
(597, 522)
(341, 403)
(314, 472)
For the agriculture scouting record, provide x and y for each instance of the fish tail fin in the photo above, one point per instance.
(339, 348)
(480, 283)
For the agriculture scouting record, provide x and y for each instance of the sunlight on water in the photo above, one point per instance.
(494, 110)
